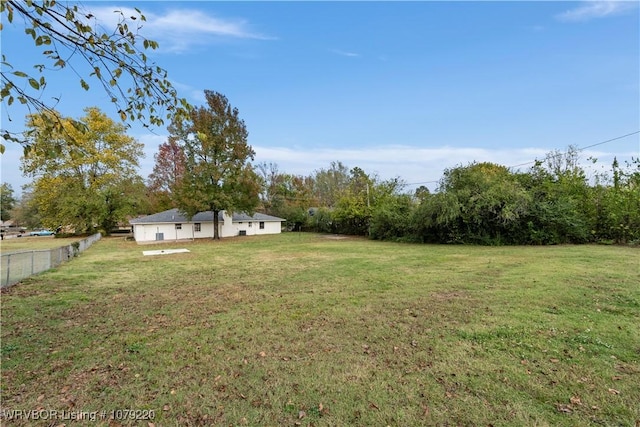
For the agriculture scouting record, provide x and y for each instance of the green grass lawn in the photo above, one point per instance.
(31, 243)
(301, 329)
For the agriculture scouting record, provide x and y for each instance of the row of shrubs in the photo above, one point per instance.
(488, 204)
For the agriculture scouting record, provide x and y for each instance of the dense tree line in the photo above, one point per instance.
(85, 180)
(553, 202)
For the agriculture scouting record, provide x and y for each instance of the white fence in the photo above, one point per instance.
(16, 266)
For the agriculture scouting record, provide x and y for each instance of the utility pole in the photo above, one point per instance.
(368, 204)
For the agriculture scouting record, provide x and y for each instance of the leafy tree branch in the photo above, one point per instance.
(70, 38)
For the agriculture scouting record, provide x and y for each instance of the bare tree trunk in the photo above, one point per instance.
(216, 221)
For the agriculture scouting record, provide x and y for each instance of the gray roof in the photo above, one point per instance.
(175, 216)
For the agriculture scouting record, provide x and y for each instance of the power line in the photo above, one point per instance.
(533, 161)
(609, 140)
(583, 148)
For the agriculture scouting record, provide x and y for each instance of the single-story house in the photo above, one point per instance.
(8, 224)
(173, 225)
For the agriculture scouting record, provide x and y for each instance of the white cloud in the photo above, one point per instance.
(597, 9)
(345, 53)
(414, 165)
(178, 30)
(193, 94)
(537, 28)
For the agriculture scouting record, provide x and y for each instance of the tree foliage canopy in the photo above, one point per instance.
(25, 212)
(69, 39)
(217, 173)
(481, 203)
(7, 201)
(166, 175)
(286, 195)
(89, 183)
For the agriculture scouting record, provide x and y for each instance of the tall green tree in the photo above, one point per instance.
(353, 208)
(25, 213)
(330, 184)
(391, 214)
(71, 40)
(437, 219)
(270, 177)
(617, 204)
(217, 175)
(560, 211)
(85, 177)
(293, 200)
(7, 201)
(483, 203)
(286, 195)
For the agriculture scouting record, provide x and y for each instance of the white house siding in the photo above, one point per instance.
(146, 231)
(206, 230)
(227, 227)
(270, 227)
(251, 228)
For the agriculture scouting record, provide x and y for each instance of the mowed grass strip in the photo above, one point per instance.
(34, 243)
(301, 329)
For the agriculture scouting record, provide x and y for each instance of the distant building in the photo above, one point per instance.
(172, 225)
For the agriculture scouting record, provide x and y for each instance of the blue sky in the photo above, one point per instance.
(400, 89)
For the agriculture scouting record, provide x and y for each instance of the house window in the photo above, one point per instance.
(197, 227)
(261, 225)
(178, 226)
(249, 224)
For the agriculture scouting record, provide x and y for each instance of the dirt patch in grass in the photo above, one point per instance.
(449, 295)
(339, 237)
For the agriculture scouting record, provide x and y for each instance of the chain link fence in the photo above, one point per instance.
(16, 266)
